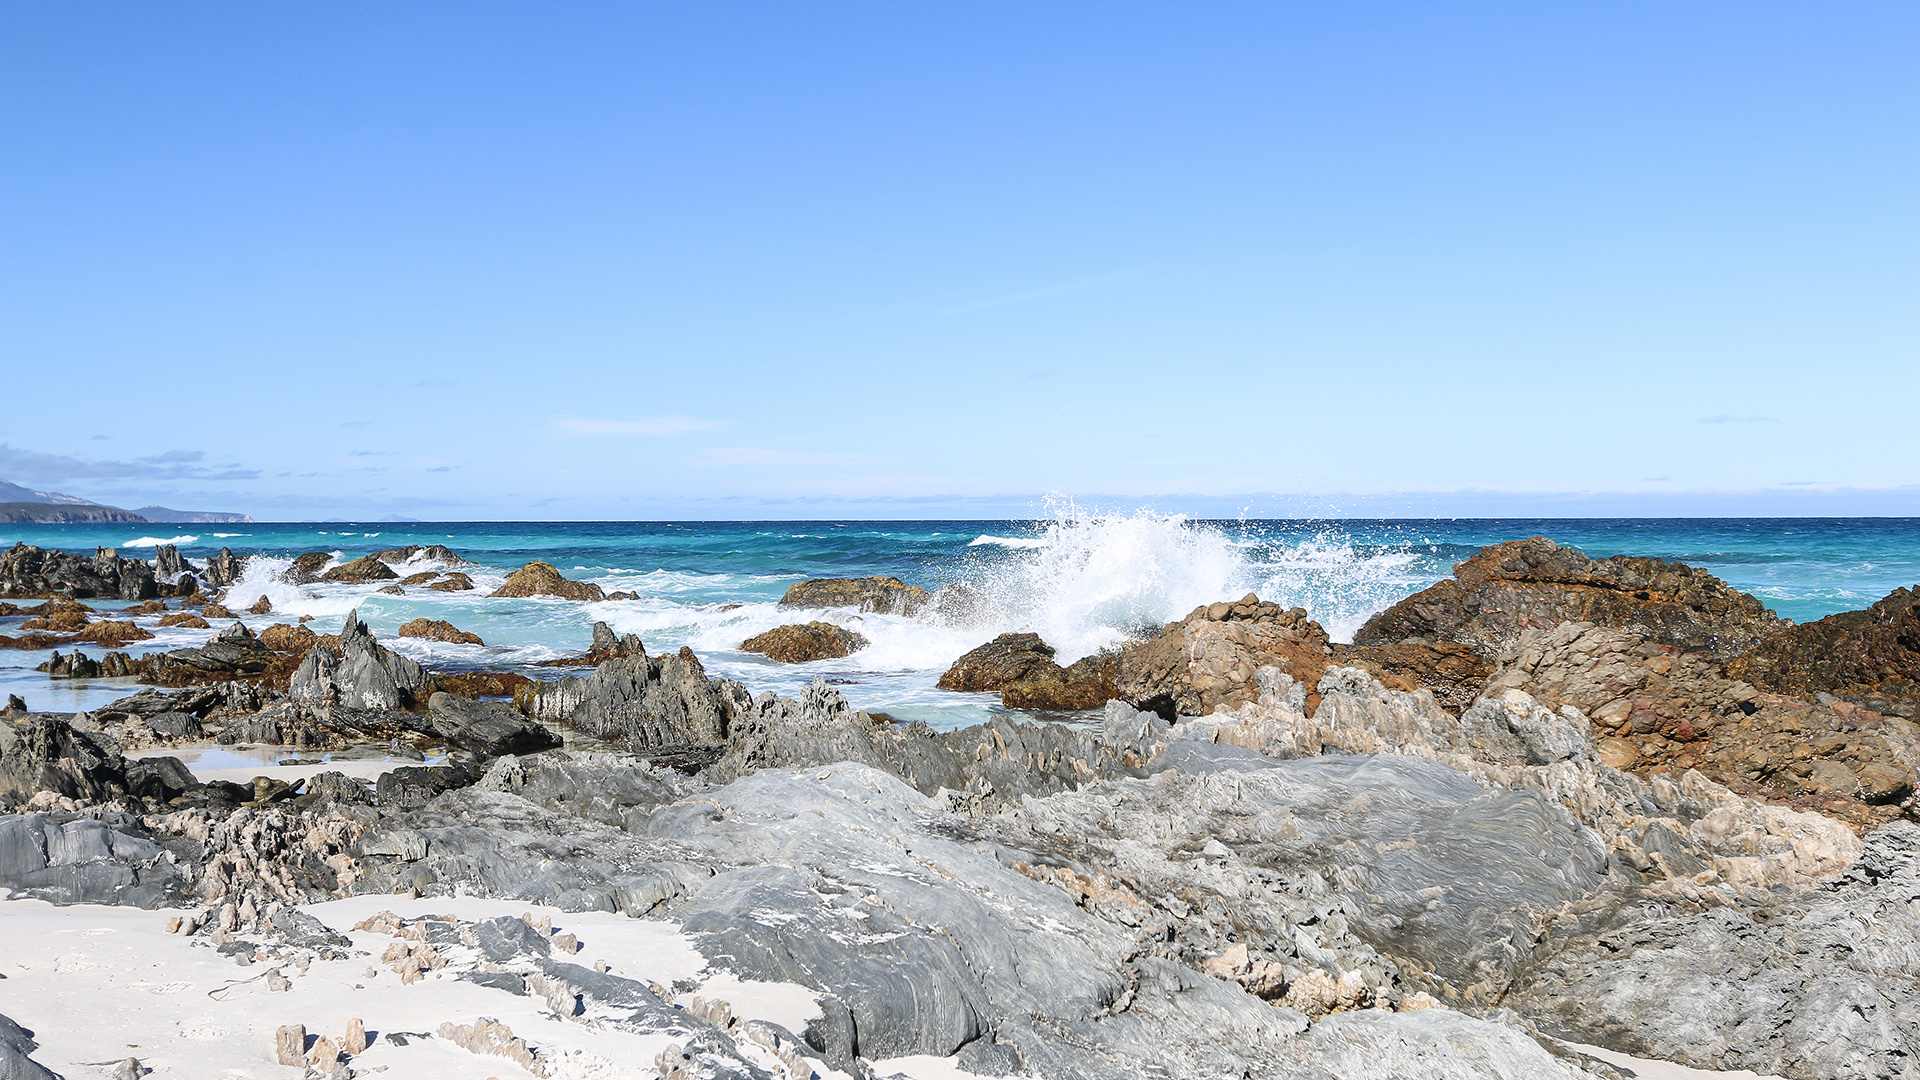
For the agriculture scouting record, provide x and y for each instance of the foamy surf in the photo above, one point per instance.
(154, 541)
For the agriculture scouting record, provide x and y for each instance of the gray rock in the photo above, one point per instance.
(645, 703)
(1813, 985)
(40, 752)
(87, 861)
(160, 778)
(16, 1043)
(487, 728)
(413, 786)
(367, 675)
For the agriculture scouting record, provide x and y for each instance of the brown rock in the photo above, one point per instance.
(146, 607)
(113, 633)
(288, 638)
(360, 571)
(1022, 668)
(57, 622)
(212, 610)
(801, 643)
(541, 579)
(1455, 673)
(888, 595)
(437, 552)
(290, 1045)
(391, 590)
(306, 567)
(1871, 657)
(262, 606)
(1208, 660)
(420, 578)
(453, 582)
(1537, 584)
(480, 684)
(438, 630)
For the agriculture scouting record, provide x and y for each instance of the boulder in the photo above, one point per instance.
(113, 633)
(438, 553)
(63, 859)
(1507, 588)
(487, 728)
(800, 643)
(886, 595)
(453, 582)
(438, 630)
(420, 578)
(232, 653)
(360, 571)
(262, 606)
(187, 619)
(1869, 657)
(541, 579)
(1021, 667)
(291, 638)
(16, 1043)
(1208, 659)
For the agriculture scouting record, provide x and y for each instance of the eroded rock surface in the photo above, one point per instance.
(801, 643)
(1207, 660)
(887, 595)
(1022, 669)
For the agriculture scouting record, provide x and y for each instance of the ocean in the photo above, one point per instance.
(1081, 583)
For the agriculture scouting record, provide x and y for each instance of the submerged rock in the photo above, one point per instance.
(361, 570)
(438, 630)
(453, 582)
(802, 643)
(541, 579)
(886, 595)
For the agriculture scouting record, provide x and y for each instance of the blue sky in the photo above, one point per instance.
(902, 260)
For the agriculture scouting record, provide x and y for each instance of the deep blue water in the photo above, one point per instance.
(1080, 583)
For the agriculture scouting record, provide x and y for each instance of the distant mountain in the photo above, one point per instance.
(397, 518)
(14, 493)
(46, 513)
(192, 517)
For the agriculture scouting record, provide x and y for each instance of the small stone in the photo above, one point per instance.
(356, 1039)
(290, 1044)
(277, 983)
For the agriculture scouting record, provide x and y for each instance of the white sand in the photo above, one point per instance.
(100, 984)
(241, 765)
(1649, 1069)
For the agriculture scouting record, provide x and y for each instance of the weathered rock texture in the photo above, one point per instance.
(1207, 660)
(799, 644)
(487, 728)
(366, 676)
(541, 579)
(886, 595)
(30, 572)
(360, 571)
(1870, 657)
(1522, 584)
(438, 630)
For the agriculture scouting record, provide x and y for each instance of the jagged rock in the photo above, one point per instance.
(360, 571)
(168, 564)
(31, 572)
(160, 778)
(1207, 660)
(225, 568)
(606, 646)
(40, 752)
(187, 619)
(1507, 588)
(886, 595)
(367, 675)
(1869, 657)
(305, 568)
(646, 703)
(64, 859)
(288, 723)
(262, 606)
(411, 787)
(799, 644)
(487, 728)
(453, 582)
(1807, 986)
(541, 579)
(1021, 667)
(438, 630)
(77, 665)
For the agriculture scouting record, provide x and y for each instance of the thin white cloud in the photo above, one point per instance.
(646, 425)
(755, 455)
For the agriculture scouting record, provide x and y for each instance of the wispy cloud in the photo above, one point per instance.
(755, 455)
(1729, 418)
(646, 425)
(37, 467)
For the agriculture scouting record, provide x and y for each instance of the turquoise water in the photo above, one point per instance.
(1081, 583)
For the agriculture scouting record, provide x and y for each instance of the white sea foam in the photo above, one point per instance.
(1006, 541)
(154, 541)
(228, 536)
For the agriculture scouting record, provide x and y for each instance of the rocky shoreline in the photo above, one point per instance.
(1551, 802)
